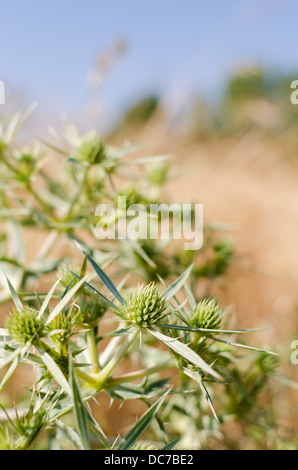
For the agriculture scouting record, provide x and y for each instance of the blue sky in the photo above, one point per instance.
(174, 46)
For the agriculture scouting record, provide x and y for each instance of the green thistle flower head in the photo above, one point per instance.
(31, 424)
(267, 363)
(31, 421)
(92, 149)
(145, 306)
(25, 325)
(157, 174)
(207, 315)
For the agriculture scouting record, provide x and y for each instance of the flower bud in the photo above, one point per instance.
(92, 149)
(206, 315)
(25, 326)
(145, 306)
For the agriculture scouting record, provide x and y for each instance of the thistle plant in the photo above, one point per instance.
(111, 303)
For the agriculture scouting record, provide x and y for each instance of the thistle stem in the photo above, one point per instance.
(140, 374)
(88, 378)
(77, 194)
(103, 376)
(92, 351)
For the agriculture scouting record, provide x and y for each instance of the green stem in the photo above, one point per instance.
(103, 376)
(140, 374)
(93, 351)
(27, 441)
(89, 379)
(78, 193)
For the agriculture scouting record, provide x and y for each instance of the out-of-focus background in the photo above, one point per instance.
(209, 82)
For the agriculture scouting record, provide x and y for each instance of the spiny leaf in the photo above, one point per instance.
(47, 299)
(63, 302)
(80, 410)
(97, 430)
(111, 304)
(141, 425)
(172, 444)
(244, 346)
(54, 370)
(177, 284)
(209, 330)
(19, 352)
(15, 296)
(184, 351)
(106, 280)
(138, 249)
(196, 376)
(9, 373)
